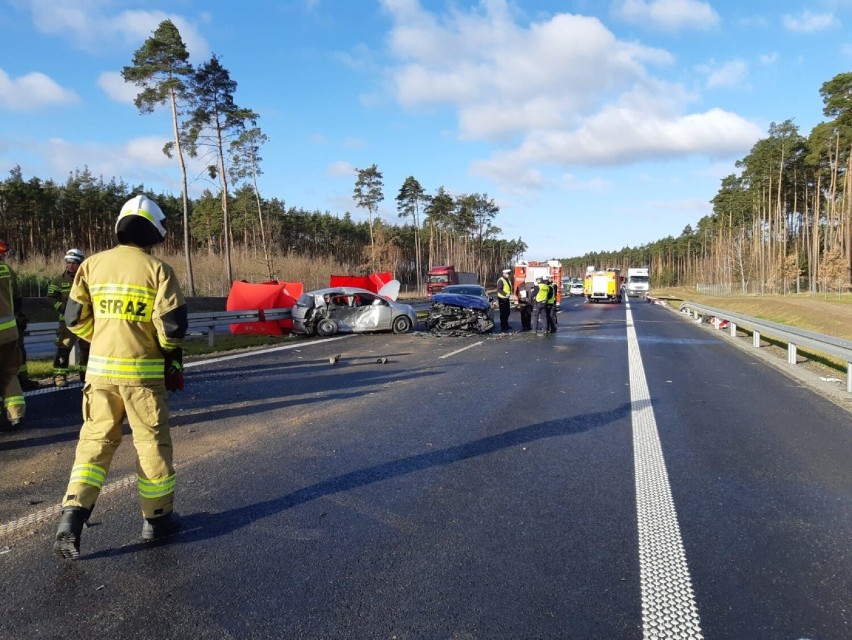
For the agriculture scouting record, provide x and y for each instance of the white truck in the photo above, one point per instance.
(638, 281)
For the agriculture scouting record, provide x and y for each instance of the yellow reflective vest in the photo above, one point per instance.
(8, 300)
(129, 305)
(504, 287)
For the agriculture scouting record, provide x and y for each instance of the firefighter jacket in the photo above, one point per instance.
(129, 305)
(10, 301)
(58, 291)
(504, 287)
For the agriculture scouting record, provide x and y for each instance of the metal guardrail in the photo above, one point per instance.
(829, 345)
(204, 323)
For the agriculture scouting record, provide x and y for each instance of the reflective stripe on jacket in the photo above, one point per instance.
(129, 305)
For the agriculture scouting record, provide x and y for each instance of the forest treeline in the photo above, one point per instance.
(782, 224)
(42, 219)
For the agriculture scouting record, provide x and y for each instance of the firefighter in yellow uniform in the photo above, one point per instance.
(65, 339)
(10, 355)
(130, 307)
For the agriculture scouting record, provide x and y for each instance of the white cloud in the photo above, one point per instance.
(808, 22)
(91, 26)
(621, 135)
(33, 91)
(730, 74)
(341, 168)
(504, 78)
(669, 15)
(116, 88)
(769, 58)
(563, 92)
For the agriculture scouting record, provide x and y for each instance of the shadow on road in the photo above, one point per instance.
(204, 525)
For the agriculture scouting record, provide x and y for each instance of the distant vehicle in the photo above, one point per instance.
(602, 285)
(325, 312)
(638, 281)
(443, 276)
(576, 288)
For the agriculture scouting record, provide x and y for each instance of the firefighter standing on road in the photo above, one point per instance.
(129, 305)
(10, 355)
(504, 299)
(65, 339)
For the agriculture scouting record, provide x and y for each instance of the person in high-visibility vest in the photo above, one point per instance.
(540, 294)
(129, 306)
(14, 404)
(66, 339)
(551, 305)
(504, 298)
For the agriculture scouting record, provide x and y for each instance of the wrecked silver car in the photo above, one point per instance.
(325, 312)
(457, 314)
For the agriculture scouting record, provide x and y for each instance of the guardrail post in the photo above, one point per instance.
(733, 327)
(755, 339)
(211, 335)
(791, 353)
(849, 377)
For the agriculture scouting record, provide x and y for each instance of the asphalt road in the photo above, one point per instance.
(631, 476)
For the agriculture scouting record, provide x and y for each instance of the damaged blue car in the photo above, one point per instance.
(461, 313)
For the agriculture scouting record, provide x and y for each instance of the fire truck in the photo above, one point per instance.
(602, 285)
(529, 271)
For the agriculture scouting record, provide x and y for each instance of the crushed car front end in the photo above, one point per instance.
(457, 314)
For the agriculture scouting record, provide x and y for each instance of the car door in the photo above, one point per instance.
(367, 313)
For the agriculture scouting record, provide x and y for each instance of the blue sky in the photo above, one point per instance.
(593, 124)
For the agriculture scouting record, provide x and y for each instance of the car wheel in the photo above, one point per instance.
(327, 327)
(401, 324)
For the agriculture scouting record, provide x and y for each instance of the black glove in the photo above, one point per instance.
(21, 321)
(173, 372)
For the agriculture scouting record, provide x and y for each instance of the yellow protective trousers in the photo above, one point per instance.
(105, 407)
(10, 386)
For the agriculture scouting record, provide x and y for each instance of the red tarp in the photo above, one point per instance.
(247, 296)
(372, 282)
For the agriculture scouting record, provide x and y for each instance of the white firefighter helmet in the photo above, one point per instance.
(74, 255)
(130, 228)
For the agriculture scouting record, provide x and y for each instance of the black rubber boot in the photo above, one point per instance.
(157, 528)
(68, 533)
